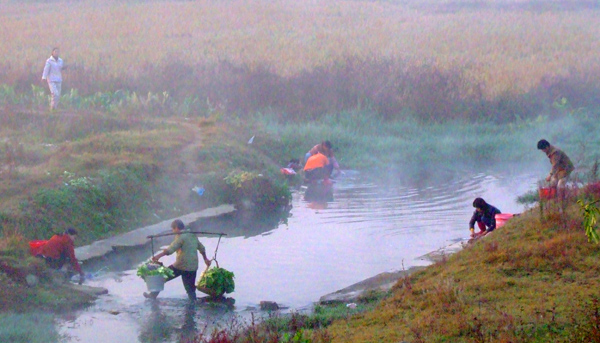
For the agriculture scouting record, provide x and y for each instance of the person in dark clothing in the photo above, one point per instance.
(59, 250)
(484, 216)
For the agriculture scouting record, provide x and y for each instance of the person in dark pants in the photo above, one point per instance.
(59, 250)
(484, 216)
(562, 167)
(186, 263)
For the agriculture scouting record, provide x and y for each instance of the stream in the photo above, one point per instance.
(368, 228)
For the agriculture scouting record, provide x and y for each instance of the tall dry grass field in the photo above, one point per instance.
(506, 47)
(503, 47)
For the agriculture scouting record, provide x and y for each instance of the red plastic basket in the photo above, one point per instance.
(34, 246)
(547, 193)
(502, 218)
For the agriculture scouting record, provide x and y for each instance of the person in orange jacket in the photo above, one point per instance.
(59, 250)
(326, 149)
(317, 167)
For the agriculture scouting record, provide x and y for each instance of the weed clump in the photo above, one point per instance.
(254, 192)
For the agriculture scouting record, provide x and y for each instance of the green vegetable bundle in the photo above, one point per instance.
(216, 282)
(149, 269)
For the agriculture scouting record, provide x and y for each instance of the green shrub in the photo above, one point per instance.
(252, 191)
(98, 205)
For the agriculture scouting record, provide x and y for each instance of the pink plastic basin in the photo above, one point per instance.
(502, 218)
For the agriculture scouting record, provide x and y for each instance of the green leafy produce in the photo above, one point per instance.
(148, 269)
(216, 281)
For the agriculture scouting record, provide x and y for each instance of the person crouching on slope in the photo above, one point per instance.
(317, 168)
(59, 250)
(485, 216)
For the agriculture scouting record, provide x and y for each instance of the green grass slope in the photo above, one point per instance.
(536, 279)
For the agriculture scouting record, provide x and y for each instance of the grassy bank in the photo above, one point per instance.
(17, 328)
(406, 148)
(535, 280)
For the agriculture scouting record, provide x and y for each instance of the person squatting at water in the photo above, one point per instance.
(59, 250)
(53, 74)
(485, 216)
(186, 262)
(317, 168)
(561, 166)
(326, 149)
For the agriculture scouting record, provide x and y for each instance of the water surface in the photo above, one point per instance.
(368, 228)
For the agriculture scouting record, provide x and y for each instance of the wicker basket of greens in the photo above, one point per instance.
(216, 281)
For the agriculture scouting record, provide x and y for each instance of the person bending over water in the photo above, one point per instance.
(484, 216)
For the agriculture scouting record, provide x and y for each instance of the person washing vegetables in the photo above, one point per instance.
(186, 263)
(484, 216)
(59, 250)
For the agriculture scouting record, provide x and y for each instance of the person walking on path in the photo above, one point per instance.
(59, 250)
(561, 166)
(53, 75)
(484, 216)
(186, 263)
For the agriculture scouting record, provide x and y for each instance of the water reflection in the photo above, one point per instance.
(179, 321)
(158, 327)
(318, 192)
(236, 224)
(189, 330)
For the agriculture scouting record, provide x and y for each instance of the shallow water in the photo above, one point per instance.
(367, 229)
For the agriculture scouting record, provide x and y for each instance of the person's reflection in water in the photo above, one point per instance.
(157, 328)
(189, 331)
(315, 205)
(318, 196)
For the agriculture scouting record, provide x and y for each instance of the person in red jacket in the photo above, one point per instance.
(59, 250)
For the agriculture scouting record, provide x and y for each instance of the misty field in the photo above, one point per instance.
(457, 59)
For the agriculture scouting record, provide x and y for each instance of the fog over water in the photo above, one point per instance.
(370, 227)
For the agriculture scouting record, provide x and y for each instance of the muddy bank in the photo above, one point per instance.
(383, 282)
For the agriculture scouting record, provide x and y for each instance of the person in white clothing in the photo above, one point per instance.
(52, 74)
